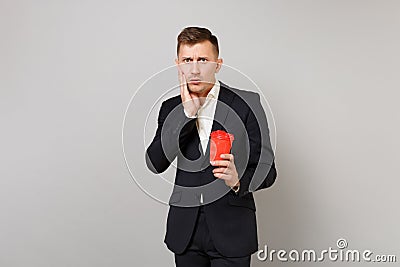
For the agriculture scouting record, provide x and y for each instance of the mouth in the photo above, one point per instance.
(195, 81)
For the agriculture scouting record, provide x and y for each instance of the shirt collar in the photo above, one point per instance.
(214, 92)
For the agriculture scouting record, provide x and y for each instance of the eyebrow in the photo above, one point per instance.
(192, 58)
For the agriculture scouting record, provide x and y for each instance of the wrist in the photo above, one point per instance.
(236, 187)
(187, 114)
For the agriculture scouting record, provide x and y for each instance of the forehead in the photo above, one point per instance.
(202, 49)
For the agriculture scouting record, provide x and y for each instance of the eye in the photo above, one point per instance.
(202, 60)
(186, 60)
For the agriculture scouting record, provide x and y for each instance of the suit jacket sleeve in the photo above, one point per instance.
(260, 172)
(172, 131)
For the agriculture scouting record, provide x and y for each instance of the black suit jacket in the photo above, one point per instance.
(230, 217)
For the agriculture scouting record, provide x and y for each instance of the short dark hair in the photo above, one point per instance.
(194, 35)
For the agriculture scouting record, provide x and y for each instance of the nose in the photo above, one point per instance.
(195, 68)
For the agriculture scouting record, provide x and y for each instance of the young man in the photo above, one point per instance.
(211, 219)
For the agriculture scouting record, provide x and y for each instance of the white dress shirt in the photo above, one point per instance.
(205, 115)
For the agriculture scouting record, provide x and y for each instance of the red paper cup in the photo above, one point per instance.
(220, 143)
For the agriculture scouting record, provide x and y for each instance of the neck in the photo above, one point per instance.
(205, 92)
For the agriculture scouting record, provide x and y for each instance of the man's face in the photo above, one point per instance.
(199, 63)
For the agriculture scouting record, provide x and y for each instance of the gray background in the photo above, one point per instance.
(329, 70)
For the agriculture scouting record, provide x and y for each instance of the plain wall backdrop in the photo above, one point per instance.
(329, 70)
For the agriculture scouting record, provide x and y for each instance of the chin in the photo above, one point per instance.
(196, 88)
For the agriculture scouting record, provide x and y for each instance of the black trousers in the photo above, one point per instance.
(202, 253)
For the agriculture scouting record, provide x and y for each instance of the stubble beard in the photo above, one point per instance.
(200, 89)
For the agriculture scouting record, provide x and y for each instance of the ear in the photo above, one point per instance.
(220, 61)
